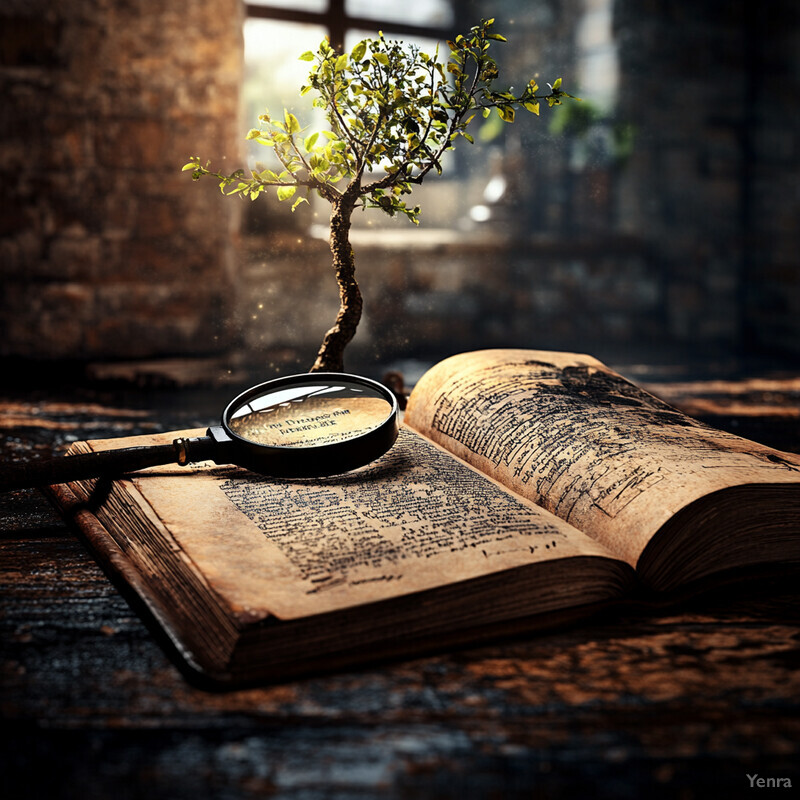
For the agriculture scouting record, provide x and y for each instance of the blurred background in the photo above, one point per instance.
(654, 223)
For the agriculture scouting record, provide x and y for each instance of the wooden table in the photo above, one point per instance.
(684, 703)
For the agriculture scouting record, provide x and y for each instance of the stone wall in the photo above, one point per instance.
(106, 248)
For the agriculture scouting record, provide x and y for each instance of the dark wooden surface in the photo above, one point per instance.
(684, 702)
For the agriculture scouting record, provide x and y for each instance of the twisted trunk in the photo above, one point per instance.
(330, 357)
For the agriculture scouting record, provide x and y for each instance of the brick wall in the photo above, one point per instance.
(712, 91)
(106, 249)
(771, 304)
(689, 243)
(428, 294)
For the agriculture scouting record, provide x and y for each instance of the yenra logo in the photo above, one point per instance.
(769, 783)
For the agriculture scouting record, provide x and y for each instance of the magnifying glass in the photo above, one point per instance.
(300, 426)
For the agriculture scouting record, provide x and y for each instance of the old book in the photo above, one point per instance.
(526, 488)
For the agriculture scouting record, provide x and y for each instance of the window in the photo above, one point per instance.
(277, 31)
(433, 18)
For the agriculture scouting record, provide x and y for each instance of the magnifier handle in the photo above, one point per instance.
(106, 463)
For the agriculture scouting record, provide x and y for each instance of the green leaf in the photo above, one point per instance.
(285, 192)
(292, 125)
(253, 133)
(307, 56)
(497, 37)
(298, 201)
(557, 84)
(533, 108)
(190, 165)
(310, 141)
(381, 58)
(341, 62)
(359, 51)
(506, 113)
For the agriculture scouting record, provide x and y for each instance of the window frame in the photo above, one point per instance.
(338, 22)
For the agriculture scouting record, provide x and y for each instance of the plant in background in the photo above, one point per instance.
(596, 136)
(392, 113)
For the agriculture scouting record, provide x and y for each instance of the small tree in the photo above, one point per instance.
(393, 111)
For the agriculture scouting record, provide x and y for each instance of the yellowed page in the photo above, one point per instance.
(316, 421)
(416, 519)
(576, 438)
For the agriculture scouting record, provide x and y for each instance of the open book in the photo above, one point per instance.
(526, 488)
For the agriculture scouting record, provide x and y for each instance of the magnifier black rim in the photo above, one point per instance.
(329, 459)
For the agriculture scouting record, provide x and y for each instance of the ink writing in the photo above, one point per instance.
(414, 503)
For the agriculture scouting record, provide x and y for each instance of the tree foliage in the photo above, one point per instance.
(392, 112)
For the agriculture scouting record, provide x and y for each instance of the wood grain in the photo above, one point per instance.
(678, 702)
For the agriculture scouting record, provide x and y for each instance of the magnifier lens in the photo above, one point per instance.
(301, 426)
(309, 414)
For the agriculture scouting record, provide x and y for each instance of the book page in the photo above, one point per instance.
(415, 519)
(584, 443)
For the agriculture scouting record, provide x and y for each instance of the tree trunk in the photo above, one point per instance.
(331, 354)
